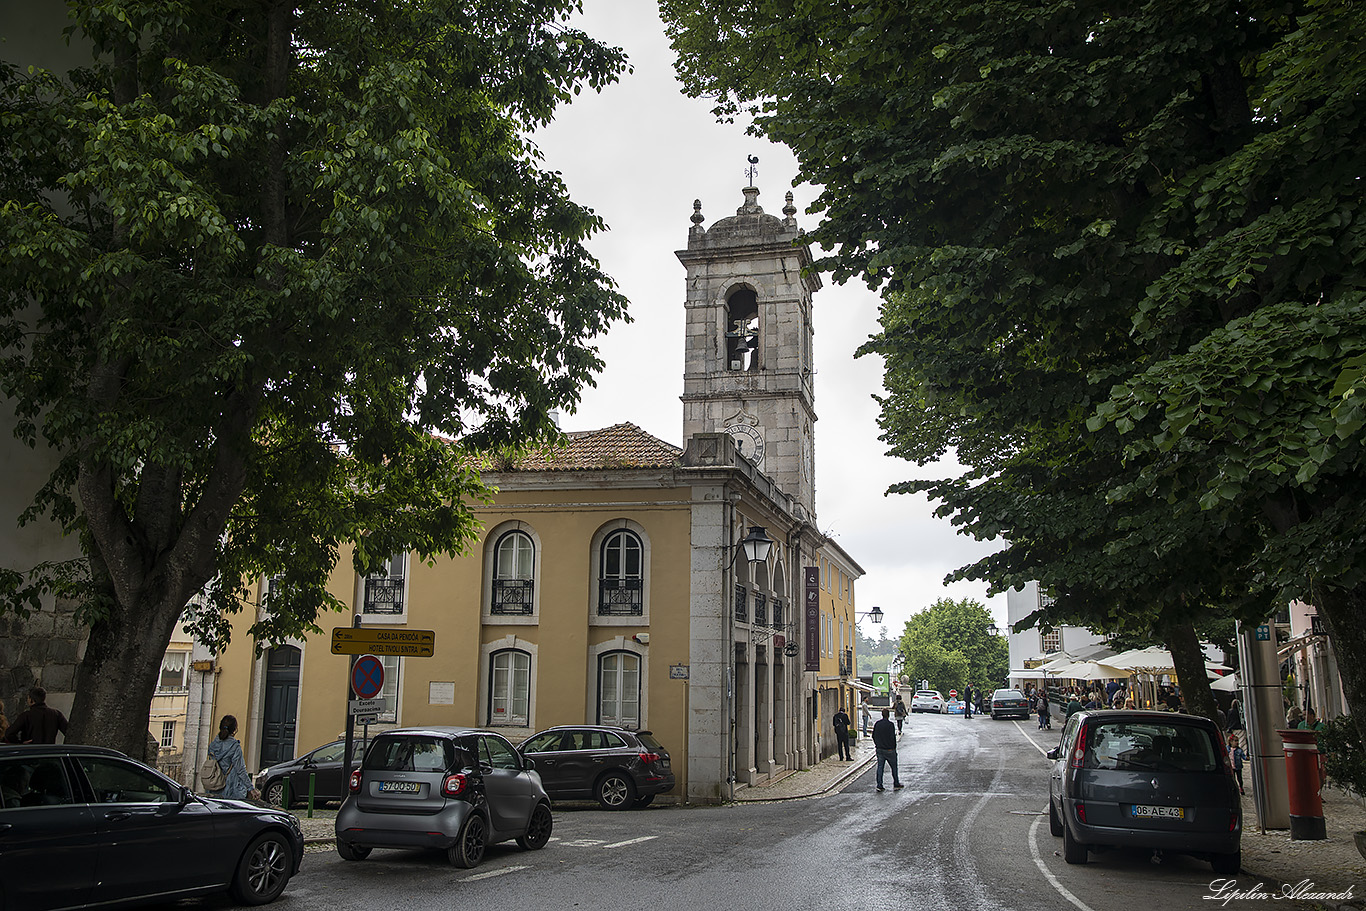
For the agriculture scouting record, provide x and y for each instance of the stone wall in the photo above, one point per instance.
(41, 649)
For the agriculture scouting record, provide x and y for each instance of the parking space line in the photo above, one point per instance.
(1047, 873)
(632, 841)
(492, 873)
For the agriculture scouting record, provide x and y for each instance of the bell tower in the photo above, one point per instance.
(748, 366)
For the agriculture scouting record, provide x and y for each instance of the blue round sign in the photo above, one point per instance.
(367, 677)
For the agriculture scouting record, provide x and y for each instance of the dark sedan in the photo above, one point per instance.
(616, 767)
(1005, 703)
(1156, 780)
(85, 825)
(322, 767)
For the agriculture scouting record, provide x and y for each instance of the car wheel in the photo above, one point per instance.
(1054, 822)
(538, 829)
(274, 793)
(263, 872)
(1073, 851)
(616, 791)
(468, 849)
(352, 852)
(643, 802)
(1227, 864)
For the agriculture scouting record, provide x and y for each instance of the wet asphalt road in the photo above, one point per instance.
(967, 833)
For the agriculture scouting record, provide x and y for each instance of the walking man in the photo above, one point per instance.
(842, 724)
(884, 739)
(967, 701)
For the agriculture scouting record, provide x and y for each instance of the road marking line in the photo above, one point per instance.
(632, 841)
(1030, 739)
(1047, 873)
(492, 873)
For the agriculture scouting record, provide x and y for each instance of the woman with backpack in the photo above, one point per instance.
(226, 752)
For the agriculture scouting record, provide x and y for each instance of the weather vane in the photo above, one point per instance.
(752, 171)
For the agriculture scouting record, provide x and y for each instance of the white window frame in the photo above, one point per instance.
(167, 735)
(395, 567)
(491, 541)
(595, 574)
(619, 717)
(621, 643)
(389, 691)
(505, 678)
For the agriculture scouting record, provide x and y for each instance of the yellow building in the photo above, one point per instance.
(608, 585)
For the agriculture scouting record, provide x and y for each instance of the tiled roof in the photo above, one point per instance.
(618, 446)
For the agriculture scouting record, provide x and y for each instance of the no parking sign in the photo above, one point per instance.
(367, 676)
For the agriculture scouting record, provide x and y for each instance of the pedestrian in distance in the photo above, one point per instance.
(967, 701)
(867, 717)
(1073, 706)
(226, 750)
(1235, 715)
(1236, 754)
(900, 713)
(884, 741)
(38, 723)
(1041, 706)
(842, 724)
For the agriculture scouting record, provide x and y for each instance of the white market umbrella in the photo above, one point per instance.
(1226, 684)
(1063, 660)
(1151, 659)
(1090, 670)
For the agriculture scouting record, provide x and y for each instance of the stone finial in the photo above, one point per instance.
(697, 218)
(751, 206)
(790, 211)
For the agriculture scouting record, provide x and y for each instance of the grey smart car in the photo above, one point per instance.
(452, 789)
(1159, 780)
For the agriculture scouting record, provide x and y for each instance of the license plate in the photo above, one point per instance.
(402, 787)
(663, 763)
(1138, 811)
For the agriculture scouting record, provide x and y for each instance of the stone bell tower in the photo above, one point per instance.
(748, 367)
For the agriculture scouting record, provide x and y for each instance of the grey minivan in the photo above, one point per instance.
(1159, 780)
(453, 789)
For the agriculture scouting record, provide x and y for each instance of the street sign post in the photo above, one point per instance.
(404, 643)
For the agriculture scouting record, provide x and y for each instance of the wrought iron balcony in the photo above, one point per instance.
(741, 604)
(760, 609)
(778, 614)
(383, 594)
(512, 596)
(621, 597)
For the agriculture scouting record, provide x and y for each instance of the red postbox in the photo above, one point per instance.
(1302, 774)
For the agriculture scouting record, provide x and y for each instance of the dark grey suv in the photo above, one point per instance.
(1159, 780)
(616, 767)
(453, 789)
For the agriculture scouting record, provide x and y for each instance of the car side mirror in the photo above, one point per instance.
(528, 763)
(1052, 754)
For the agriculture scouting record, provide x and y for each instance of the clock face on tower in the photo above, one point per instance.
(750, 441)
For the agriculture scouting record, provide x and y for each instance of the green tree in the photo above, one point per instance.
(270, 274)
(1120, 249)
(935, 638)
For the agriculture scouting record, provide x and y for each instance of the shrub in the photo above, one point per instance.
(1344, 759)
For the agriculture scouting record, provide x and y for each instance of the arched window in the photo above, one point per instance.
(513, 574)
(621, 582)
(619, 690)
(742, 331)
(509, 688)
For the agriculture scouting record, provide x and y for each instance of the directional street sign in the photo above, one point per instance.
(407, 643)
(367, 677)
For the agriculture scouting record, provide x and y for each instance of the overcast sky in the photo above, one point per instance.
(639, 154)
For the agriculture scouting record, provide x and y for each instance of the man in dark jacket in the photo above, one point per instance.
(884, 739)
(842, 723)
(38, 723)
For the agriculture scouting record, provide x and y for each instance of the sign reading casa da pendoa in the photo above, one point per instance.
(408, 643)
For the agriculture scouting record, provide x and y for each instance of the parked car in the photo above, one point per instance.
(1005, 703)
(456, 790)
(954, 707)
(616, 767)
(927, 701)
(1157, 780)
(323, 765)
(86, 825)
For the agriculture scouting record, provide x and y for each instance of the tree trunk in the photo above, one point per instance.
(118, 676)
(1189, 660)
(1343, 613)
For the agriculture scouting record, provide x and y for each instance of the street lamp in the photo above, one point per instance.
(875, 614)
(756, 545)
(993, 630)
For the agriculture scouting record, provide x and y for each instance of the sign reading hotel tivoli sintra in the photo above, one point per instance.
(812, 575)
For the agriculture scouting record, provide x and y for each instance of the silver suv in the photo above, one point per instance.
(452, 789)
